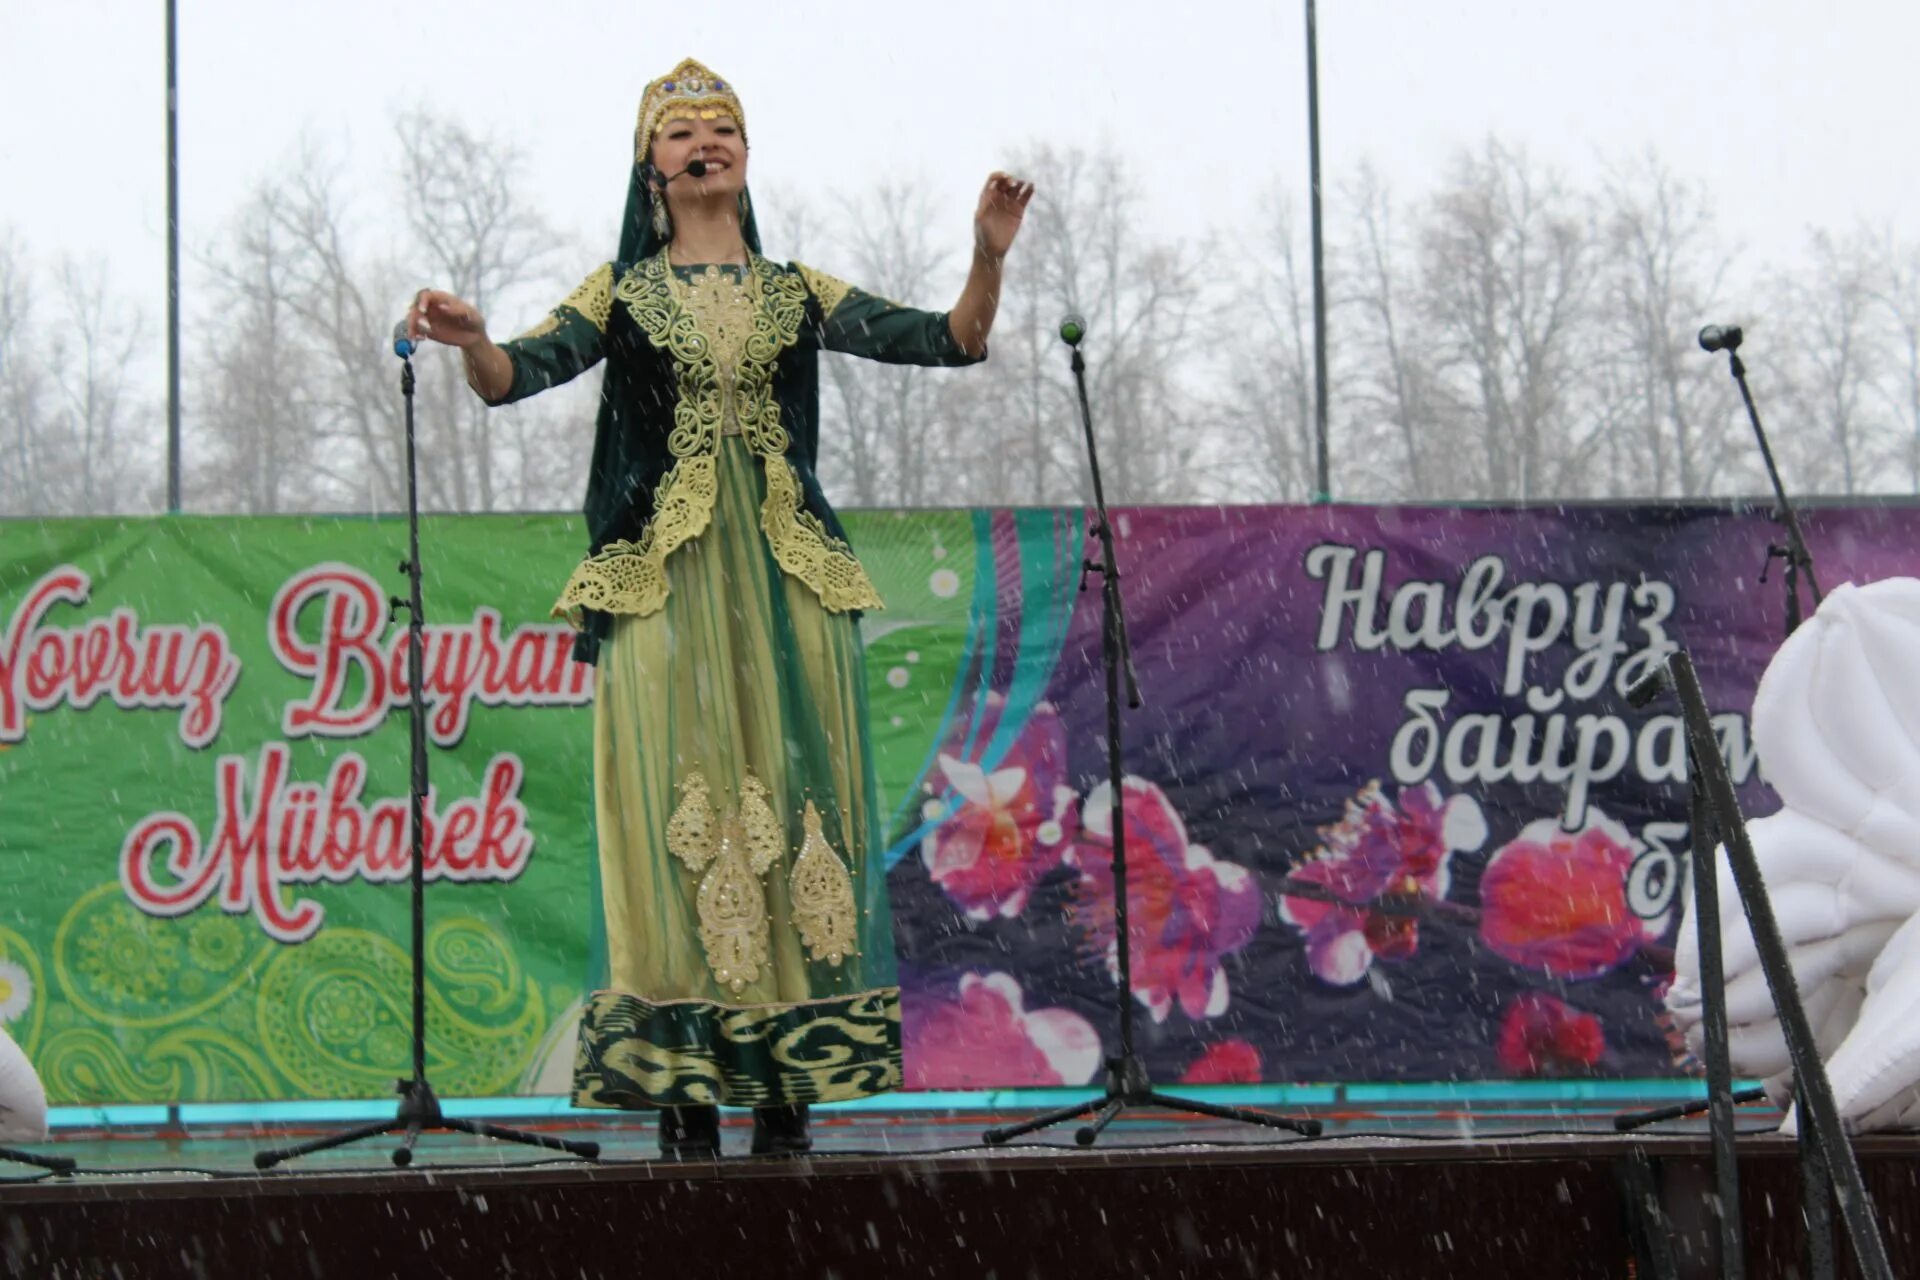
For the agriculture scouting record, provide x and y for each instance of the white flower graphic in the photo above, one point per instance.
(16, 991)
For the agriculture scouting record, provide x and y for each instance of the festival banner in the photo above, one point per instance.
(1388, 814)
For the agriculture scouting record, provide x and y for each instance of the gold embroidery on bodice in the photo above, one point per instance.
(725, 332)
(723, 306)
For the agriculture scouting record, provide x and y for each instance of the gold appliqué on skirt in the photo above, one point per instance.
(734, 851)
(822, 893)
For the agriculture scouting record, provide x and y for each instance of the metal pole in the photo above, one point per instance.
(173, 262)
(1704, 855)
(1322, 486)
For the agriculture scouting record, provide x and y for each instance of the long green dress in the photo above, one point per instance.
(749, 947)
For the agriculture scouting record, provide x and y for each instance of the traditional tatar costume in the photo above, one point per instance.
(748, 946)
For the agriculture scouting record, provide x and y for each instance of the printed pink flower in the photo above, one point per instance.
(1542, 1036)
(1226, 1062)
(1556, 900)
(1013, 825)
(1186, 908)
(1377, 852)
(986, 1038)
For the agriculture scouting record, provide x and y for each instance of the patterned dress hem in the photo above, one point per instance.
(635, 1053)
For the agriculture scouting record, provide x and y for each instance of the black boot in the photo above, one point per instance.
(690, 1133)
(781, 1131)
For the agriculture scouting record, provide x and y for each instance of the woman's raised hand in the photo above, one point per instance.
(1003, 202)
(445, 318)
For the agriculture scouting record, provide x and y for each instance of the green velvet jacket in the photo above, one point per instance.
(653, 478)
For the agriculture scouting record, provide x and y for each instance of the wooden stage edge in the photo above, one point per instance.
(1155, 1199)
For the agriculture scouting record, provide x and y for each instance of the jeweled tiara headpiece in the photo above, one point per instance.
(689, 92)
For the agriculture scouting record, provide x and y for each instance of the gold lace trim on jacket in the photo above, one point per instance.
(830, 291)
(593, 300)
(803, 547)
(725, 343)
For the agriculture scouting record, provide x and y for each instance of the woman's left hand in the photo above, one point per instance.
(1003, 202)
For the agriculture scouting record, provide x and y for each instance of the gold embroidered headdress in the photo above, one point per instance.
(688, 92)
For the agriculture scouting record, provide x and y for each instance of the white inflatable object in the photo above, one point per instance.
(23, 1103)
(1836, 723)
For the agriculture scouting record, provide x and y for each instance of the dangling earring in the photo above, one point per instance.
(746, 209)
(662, 224)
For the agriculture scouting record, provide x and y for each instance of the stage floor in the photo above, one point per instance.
(1418, 1191)
(202, 1151)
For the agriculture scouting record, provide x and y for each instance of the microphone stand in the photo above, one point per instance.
(1127, 1082)
(419, 1109)
(1707, 819)
(1819, 1162)
(1798, 559)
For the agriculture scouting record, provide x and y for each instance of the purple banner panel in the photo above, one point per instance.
(1388, 813)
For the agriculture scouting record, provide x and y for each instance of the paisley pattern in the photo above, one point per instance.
(334, 1013)
(203, 1009)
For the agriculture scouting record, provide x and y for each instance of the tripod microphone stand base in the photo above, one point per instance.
(53, 1164)
(420, 1113)
(1679, 1111)
(1128, 1086)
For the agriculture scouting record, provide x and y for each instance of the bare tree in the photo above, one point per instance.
(339, 302)
(1832, 369)
(309, 412)
(1085, 248)
(1269, 409)
(1508, 262)
(1896, 297)
(1396, 367)
(476, 233)
(70, 415)
(1010, 432)
(261, 433)
(1016, 427)
(93, 355)
(24, 391)
(888, 427)
(1664, 272)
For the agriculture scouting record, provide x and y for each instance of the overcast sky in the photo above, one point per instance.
(1790, 120)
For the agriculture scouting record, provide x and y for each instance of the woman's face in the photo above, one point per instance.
(718, 142)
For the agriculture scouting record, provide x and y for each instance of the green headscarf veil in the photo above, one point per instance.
(638, 242)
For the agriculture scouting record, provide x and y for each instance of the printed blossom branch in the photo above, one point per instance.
(1379, 869)
(1014, 823)
(1187, 909)
(984, 1035)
